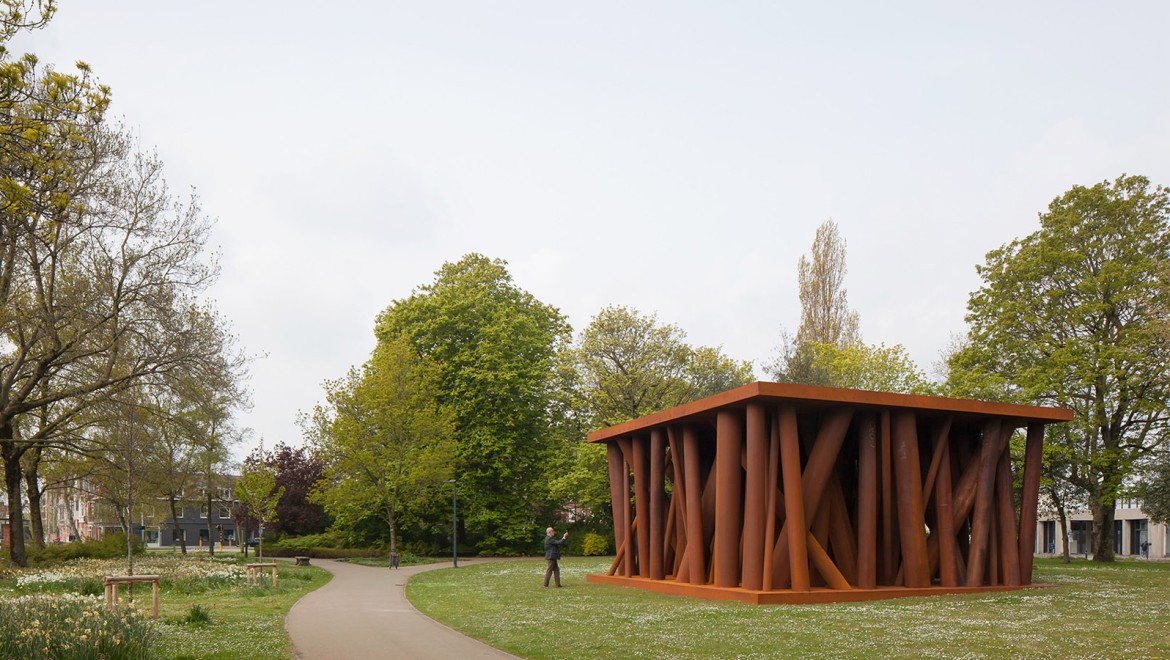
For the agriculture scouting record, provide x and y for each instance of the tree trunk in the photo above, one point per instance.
(1103, 513)
(32, 488)
(69, 500)
(210, 529)
(1065, 557)
(175, 523)
(12, 480)
(393, 532)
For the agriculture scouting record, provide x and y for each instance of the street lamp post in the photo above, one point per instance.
(454, 521)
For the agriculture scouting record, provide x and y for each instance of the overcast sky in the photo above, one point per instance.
(676, 157)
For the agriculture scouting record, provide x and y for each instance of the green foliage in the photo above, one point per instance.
(625, 365)
(258, 494)
(197, 616)
(110, 546)
(493, 345)
(594, 544)
(385, 440)
(825, 317)
(863, 366)
(1154, 490)
(1076, 315)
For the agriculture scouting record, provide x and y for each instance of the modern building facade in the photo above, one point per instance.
(1134, 534)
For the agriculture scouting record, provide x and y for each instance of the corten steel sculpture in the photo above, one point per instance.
(777, 493)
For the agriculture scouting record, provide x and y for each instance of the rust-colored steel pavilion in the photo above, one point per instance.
(779, 493)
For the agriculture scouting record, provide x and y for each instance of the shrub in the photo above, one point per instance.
(594, 544)
(110, 546)
(197, 616)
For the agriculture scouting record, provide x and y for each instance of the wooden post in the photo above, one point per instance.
(728, 497)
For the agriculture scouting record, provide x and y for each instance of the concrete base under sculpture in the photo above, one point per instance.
(813, 596)
(779, 493)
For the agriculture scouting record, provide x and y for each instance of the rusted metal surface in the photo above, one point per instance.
(784, 493)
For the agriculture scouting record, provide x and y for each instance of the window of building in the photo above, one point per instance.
(178, 535)
(223, 512)
(1048, 536)
(202, 510)
(1139, 536)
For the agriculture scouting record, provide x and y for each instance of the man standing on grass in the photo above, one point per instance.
(552, 552)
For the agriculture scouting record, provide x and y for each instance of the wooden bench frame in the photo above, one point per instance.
(302, 561)
(111, 583)
(256, 571)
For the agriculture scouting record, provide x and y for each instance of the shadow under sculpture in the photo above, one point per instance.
(780, 493)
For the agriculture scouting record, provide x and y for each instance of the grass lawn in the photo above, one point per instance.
(246, 621)
(1119, 610)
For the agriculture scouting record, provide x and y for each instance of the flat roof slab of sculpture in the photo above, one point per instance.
(780, 493)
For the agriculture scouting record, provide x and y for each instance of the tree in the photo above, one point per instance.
(297, 472)
(825, 317)
(258, 494)
(1154, 490)
(626, 365)
(1075, 315)
(100, 266)
(386, 440)
(861, 366)
(494, 346)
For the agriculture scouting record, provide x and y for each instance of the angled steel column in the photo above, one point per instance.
(944, 515)
(1033, 453)
(793, 499)
(641, 454)
(984, 500)
(1006, 517)
(755, 507)
(867, 502)
(908, 468)
(657, 487)
(696, 548)
(728, 496)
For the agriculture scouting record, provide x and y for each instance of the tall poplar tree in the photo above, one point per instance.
(825, 316)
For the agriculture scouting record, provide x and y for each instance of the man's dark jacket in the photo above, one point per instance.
(552, 547)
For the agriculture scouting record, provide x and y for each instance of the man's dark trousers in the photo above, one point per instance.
(553, 570)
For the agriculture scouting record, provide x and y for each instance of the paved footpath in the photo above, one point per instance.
(363, 613)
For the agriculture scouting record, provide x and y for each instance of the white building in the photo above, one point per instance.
(1131, 529)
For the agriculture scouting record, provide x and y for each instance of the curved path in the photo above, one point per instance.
(363, 613)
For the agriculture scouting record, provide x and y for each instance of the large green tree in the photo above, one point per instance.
(1075, 315)
(494, 345)
(386, 442)
(624, 365)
